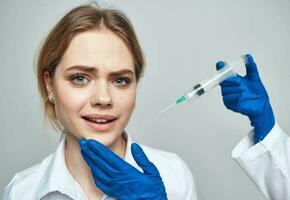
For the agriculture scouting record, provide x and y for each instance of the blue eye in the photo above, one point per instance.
(79, 79)
(122, 81)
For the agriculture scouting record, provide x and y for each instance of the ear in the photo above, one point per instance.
(48, 82)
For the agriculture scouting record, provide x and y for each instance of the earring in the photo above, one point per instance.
(51, 99)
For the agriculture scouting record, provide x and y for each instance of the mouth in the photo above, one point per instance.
(100, 124)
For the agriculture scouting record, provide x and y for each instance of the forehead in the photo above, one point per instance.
(98, 48)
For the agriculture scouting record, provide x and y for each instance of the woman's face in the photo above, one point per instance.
(95, 86)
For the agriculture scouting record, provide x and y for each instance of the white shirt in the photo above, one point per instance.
(51, 178)
(267, 163)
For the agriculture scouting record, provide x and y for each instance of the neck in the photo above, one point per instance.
(79, 168)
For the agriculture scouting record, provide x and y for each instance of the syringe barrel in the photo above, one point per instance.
(194, 93)
(203, 87)
(217, 78)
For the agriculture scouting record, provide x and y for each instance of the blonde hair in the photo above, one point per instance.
(81, 19)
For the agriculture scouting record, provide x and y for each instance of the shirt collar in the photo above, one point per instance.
(128, 155)
(58, 178)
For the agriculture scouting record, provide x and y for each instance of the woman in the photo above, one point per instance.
(88, 69)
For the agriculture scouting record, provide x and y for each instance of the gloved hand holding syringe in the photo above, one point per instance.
(230, 69)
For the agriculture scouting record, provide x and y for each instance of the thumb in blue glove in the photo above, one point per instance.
(119, 179)
(142, 160)
(248, 96)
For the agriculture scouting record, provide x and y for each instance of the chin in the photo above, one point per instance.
(106, 139)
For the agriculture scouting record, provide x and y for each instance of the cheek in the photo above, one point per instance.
(69, 103)
(126, 102)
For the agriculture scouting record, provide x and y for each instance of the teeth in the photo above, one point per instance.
(99, 120)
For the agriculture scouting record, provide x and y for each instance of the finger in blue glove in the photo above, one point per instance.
(142, 160)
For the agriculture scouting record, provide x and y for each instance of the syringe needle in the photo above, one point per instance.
(167, 108)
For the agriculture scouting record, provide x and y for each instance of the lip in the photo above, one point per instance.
(100, 127)
(98, 116)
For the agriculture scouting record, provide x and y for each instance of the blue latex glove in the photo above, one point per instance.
(119, 179)
(248, 96)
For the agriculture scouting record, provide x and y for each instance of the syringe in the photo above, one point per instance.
(230, 69)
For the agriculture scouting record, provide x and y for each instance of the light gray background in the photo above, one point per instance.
(182, 41)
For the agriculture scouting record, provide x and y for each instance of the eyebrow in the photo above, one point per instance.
(95, 70)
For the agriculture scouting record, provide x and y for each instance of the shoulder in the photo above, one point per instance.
(166, 160)
(26, 180)
(175, 173)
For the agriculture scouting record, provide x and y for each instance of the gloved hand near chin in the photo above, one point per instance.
(119, 179)
(248, 96)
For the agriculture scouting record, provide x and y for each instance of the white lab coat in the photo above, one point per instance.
(267, 163)
(51, 180)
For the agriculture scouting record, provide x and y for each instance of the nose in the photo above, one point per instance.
(101, 95)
